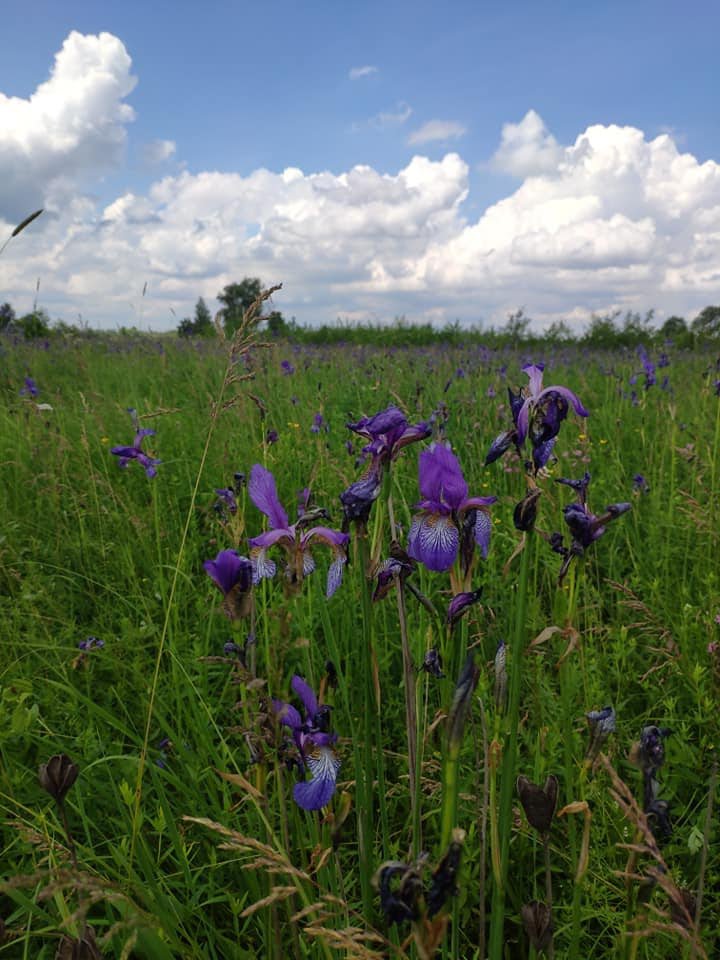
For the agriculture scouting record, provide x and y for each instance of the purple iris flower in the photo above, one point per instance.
(640, 484)
(543, 409)
(135, 452)
(449, 521)
(226, 497)
(537, 412)
(388, 432)
(287, 368)
(30, 389)
(233, 575)
(314, 742)
(318, 423)
(295, 539)
(585, 528)
(90, 643)
(649, 368)
(460, 604)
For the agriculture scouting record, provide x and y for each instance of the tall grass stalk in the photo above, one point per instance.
(510, 749)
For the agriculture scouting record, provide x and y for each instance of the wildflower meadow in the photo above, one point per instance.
(358, 651)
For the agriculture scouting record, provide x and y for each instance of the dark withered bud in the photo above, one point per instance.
(444, 880)
(500, 445)
(331, 674)
(84, 948)
(460, 604)
(401, 889)
(525, 512)
(432, 664)
(602, 724)
(538, 802)
(501, 676)
(359, 497)
(398, 566)
(651, 754)
(58, 775)
(461, 702)
(658, 815)
(538, 924)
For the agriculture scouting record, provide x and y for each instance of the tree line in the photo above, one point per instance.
(605, 331)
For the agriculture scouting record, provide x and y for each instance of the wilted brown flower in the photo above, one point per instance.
(58, 775)
(538, 802)
(537, 921)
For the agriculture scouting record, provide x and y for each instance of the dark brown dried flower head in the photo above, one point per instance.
(537, 920)
(525, 511)
(538, 802)
(58, 775)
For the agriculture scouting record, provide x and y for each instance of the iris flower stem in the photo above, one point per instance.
(372, 730)
(410, 719)
(410, 685)
(548, 889)
(509, 760)
(566, 697)
(363, 773)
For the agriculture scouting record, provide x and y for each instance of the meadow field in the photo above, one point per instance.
(203, 755)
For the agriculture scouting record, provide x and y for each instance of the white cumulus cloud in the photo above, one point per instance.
(527, 148)
(357, 72)
(158, 151)
(614, 219)
(74, 123)
(437, 130)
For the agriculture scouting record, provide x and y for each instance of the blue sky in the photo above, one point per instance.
(232, 89)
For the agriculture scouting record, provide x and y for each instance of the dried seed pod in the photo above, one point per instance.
(538, 924)
(58, 775)
(538, 802)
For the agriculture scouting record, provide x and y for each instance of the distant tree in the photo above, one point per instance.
(34, 325)
(707, 323)
(200, 326)
(203, 319)
(276, 323)
(7, 315)
(237, 298)
(602, 331)
(559, 332)
(636, 327)
(516, 326)
(674, 328)
(186, 328)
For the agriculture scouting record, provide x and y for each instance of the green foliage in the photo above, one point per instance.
(201, 325)
(89, 549)
(34, 325)
(7, 315)
(238, 298)
(706, 324)
(675, 329)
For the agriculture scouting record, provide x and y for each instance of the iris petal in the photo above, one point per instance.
(315, 793)
(483, 529)
(433, 540)
(264, 495)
